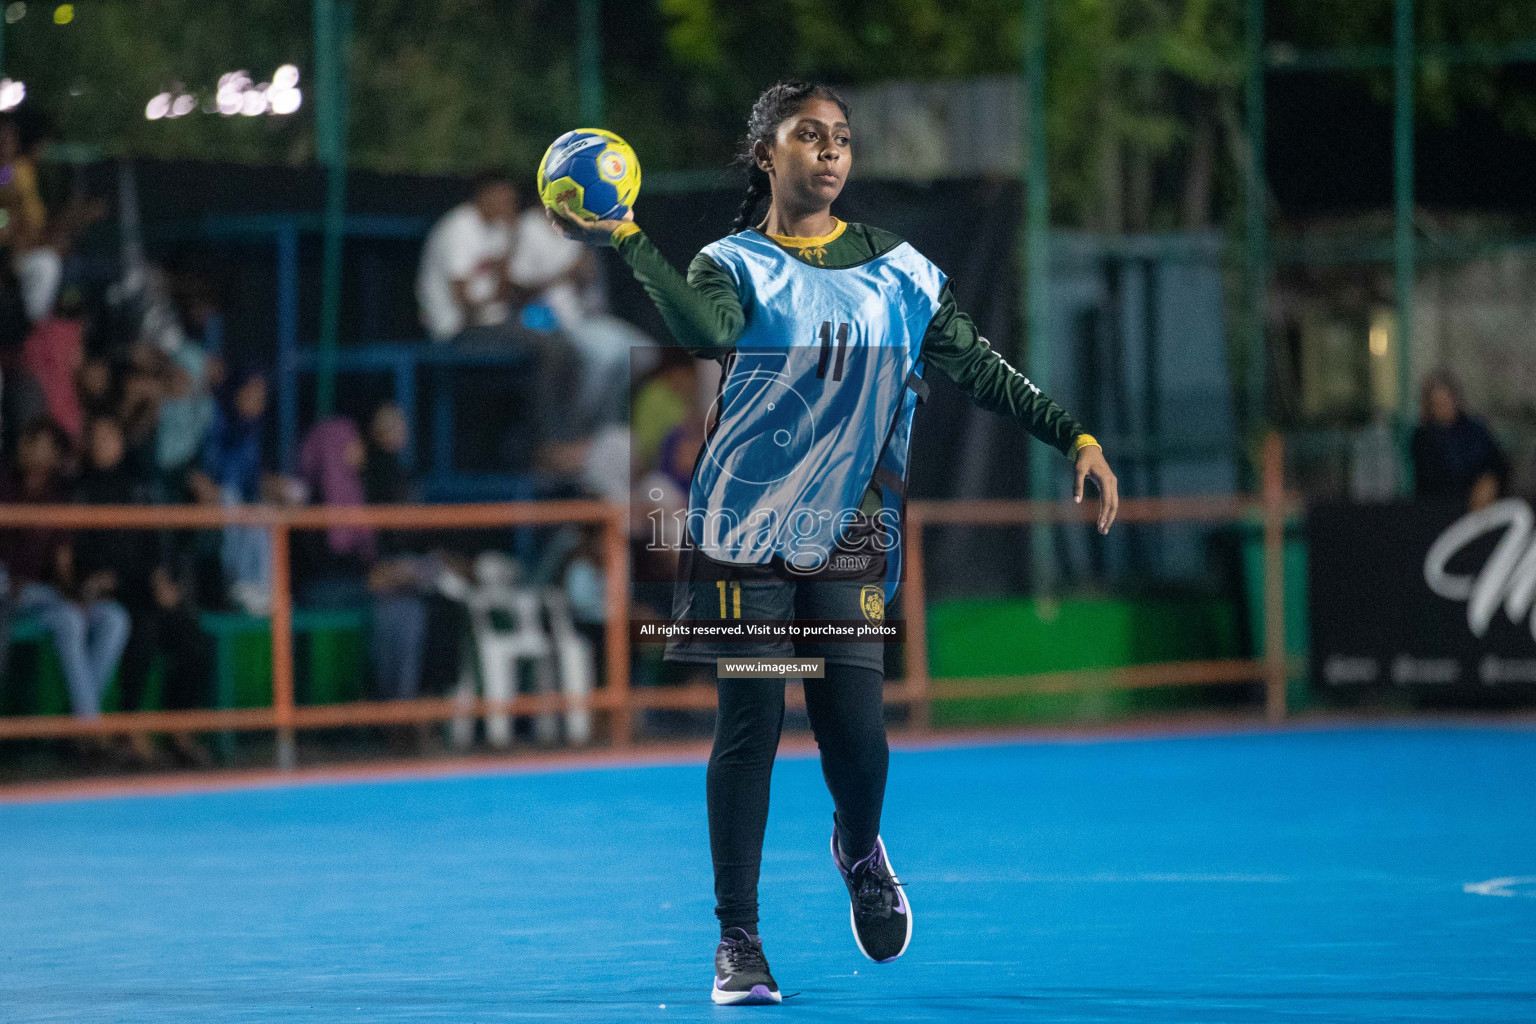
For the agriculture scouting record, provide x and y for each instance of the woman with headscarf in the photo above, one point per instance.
(343, 566)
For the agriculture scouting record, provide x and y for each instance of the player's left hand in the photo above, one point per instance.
(1091, 465)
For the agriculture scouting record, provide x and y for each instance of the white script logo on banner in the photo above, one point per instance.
(1507, 579)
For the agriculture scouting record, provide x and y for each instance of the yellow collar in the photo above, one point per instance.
(811, 247)
(798, 242)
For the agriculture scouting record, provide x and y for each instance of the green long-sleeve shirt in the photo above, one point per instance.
(705, 314)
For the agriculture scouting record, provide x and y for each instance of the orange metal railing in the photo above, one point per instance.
(1271, 506)
(284, 717)
(616, 698)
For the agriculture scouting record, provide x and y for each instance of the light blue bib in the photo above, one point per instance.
(815, 403)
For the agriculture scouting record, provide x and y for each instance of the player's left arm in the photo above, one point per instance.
(954, 345)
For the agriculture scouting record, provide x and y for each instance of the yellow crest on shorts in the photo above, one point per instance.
(872, 601)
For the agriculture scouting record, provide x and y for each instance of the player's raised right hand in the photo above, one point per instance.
(596, 233)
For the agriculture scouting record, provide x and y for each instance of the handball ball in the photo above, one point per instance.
(591, 173)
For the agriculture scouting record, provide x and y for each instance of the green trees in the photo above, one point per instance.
(1143, 94)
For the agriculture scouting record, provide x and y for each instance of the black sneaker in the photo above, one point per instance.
(877, 908)
(741, 972)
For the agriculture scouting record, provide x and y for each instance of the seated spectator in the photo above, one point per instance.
(559, 275)
(230, 473)
(97, 387)
(138, 409)
(462, 281)
(1455, 455)
(344, 566)
(197, 305)
(89, 630)
(468, 298)
(386, 482)
(52, 354)
(665, 401)
(186, 414)
(152, 580)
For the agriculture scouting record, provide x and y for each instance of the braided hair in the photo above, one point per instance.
(778, 103)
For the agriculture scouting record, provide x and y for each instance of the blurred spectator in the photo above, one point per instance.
(386, 482)
(152, 583)
(186, 414)
(560, 277)
(198, 306)
(1454, 453)
(97, 387)
(89, 631)
(665, 401)
(462, 282)
(346, 568)
(550, 269)
(25, 226)
(680, 452)
(38, 240)
(53, 354)
(21, 400)
(138, 409)
(230, 473)
(467, 297)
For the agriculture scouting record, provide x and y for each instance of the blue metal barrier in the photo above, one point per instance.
(400, 359)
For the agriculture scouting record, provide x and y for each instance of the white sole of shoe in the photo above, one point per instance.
(854, 925)
(756, 996)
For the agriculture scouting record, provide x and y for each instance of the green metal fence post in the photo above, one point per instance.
(1037, 276)
(589, 59)
(333, 44)
(1404, 248)
(1256, 227)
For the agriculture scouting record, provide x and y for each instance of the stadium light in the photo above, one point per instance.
(11, 93)
(232, 86)
(254, 102)
(284, 101)
(237, 93)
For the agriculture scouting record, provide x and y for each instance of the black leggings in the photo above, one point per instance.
(847, 715)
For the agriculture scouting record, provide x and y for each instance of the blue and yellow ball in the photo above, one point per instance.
(591, 173)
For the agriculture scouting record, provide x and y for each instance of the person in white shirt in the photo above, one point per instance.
(462, 282)
(561, 275)
(469, 297)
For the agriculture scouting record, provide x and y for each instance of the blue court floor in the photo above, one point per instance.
(1293, 876)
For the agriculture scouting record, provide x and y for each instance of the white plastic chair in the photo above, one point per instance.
(508, 634)
(577, 665)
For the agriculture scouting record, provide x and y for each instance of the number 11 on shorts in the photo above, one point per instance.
(735, 599)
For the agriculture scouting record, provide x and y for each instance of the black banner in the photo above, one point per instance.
(1423, 595)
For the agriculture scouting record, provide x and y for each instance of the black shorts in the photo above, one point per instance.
(847, 589)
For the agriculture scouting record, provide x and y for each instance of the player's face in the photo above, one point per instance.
(811, 156)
